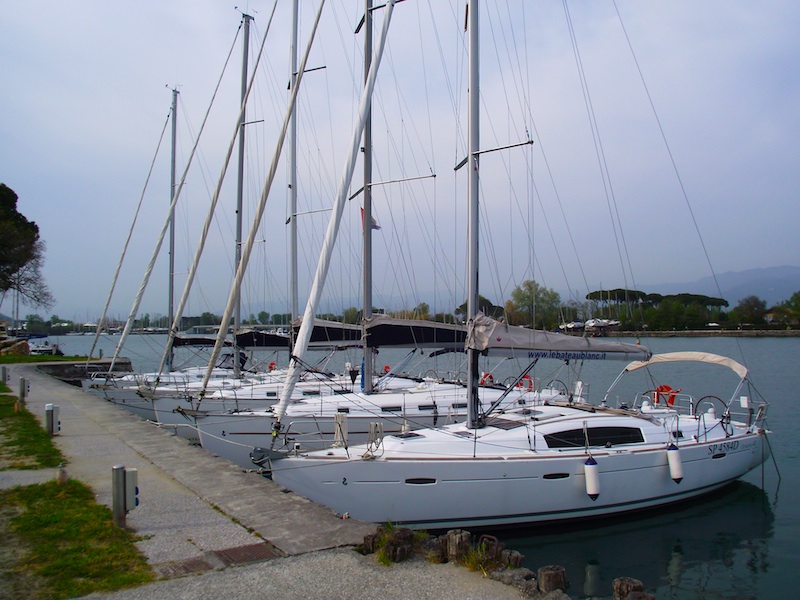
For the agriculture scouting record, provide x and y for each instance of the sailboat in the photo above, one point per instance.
(556, 460)
(136, 392)
(319, 414)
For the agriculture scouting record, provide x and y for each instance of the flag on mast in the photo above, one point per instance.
(374, 222)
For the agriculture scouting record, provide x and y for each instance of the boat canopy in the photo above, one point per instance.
(383, 331)
(252, 338)
(331, 333)
(489, 336)
(704, 357)
(195, 341)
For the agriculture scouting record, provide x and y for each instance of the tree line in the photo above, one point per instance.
(532, 305)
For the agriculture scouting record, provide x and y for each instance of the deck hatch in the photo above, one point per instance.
(598, 437)
(506, 424)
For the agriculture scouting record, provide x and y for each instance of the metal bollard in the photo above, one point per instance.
(3, 374)
(124, 492)
(24, 388)
(52, 423)
(118, 494)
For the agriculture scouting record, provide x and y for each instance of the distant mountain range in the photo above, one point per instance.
(772, 284)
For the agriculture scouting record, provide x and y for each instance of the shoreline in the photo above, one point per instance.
(745, 333)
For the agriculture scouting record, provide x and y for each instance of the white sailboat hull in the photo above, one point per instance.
(515, 488)
(310, 424)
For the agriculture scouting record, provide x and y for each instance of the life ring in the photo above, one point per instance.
(272, 366)
(668, 392)
(487, 379)
(526, 382)
(386, 369)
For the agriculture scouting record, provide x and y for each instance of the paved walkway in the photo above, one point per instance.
(200, 514)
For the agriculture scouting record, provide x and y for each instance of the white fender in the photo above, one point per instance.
(675, 465)
(592, 472)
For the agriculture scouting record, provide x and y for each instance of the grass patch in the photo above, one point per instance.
(24, 444)
(71, 546)
(385, 533)
(9, 359)
(477, 559)
(55, 540)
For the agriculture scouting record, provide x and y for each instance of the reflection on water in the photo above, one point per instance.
(714, 547)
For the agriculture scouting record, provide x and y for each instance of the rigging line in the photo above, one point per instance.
(423, 230)
(489, 246)
(247, 248)
(522, 95)
(505, 86)
(500, 70)
(205, 170)
(429, 120)
(599, 151)
(426, 86)
(670, 154)
(530, 199)
(176, 194)
(403, 103)
(128, 239)
(214, 199)
(560, 204)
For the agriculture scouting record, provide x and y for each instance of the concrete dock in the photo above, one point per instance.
(210, 529)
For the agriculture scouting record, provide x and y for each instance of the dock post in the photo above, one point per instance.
(23, 392)
(52, 423)
(118, 494)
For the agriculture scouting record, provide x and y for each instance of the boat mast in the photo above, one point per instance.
(259, 213)
(307, 325)
(215, 199)
(237, 315)
(368, 367)
(171, 285)
(473, 418)
(156, 250)
(293, 179)
(115, 279)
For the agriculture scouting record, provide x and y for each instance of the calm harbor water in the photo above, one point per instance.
(741, 543)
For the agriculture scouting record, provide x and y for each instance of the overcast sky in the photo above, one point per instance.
(608, 198)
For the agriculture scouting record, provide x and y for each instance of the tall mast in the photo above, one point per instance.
(366, 225)
(215, 199)
(293, 178)
(171, 285)
(237, 315)
(306, 327)
(473, 420)
(247, 247)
